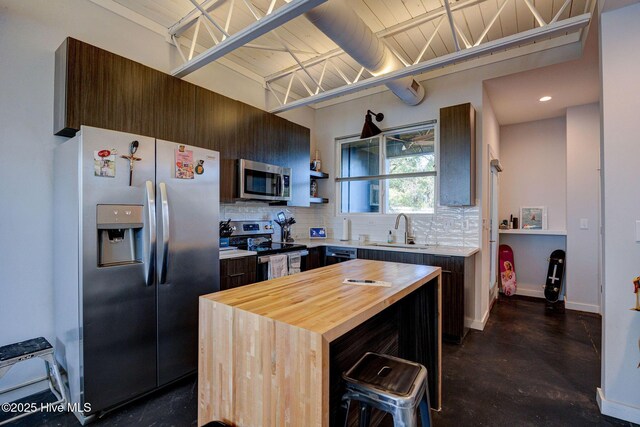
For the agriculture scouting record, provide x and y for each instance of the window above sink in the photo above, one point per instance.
(389, 173)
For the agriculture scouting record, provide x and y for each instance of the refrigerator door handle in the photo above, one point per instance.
(164, 260)
(151, 253)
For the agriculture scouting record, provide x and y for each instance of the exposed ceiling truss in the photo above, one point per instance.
(215, 28)
(224, 43)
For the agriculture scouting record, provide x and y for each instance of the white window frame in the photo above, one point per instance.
(384, 178)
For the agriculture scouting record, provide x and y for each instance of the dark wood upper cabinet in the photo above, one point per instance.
(174, 109)
(216, 118)
(298, 137)
(97, 88)
(94, 87)
(458, 155)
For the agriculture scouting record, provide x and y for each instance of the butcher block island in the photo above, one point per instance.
(272, 353)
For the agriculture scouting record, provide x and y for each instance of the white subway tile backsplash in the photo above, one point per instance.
(450, 226)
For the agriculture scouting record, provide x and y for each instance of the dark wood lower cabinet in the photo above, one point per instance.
(457, 272)
(236, 272)
(315, 259)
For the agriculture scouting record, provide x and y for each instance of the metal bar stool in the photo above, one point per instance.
(37, 347)
(390, 384)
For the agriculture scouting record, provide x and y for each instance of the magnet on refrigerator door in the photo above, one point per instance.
(184, 163)
(200, 167)
(104, 163)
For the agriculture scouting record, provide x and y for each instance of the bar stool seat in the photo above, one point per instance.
(39, 347)
(390, 384)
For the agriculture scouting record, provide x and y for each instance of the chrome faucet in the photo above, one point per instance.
(408, 238)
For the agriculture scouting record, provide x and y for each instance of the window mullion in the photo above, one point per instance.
(382, 168)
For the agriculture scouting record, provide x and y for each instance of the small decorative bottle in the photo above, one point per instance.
(317, 163)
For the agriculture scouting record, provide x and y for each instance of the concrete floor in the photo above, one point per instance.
(529, 367)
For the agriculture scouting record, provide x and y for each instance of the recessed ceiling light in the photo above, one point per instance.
(545, 99)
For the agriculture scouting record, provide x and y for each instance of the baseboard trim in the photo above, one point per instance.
(617, 409)
(477, 324)
(530, 292)
(588, 308)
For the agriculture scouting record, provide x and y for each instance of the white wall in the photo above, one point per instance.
(619, 395)
(534, 159)
(491, 138)
(583, 195)
(30, 32)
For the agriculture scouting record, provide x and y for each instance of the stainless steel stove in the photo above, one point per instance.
(258, 236)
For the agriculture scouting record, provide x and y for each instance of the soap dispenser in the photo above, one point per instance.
(390, 237)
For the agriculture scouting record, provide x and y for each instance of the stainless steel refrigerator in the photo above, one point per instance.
(135, 244)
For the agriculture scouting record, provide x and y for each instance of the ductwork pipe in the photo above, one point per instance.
(342, 25)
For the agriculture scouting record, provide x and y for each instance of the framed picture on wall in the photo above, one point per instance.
(533, 217)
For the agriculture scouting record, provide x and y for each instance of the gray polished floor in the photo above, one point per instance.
(529, 367)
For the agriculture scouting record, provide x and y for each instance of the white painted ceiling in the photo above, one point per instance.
(472, 16)
(515, 98)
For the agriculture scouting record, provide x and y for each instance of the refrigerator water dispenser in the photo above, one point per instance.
(119, 234)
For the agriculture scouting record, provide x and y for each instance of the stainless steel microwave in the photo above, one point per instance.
(261, 181)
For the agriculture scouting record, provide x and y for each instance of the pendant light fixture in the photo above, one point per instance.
(370, 129)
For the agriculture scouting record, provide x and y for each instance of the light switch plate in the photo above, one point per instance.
(584, 224)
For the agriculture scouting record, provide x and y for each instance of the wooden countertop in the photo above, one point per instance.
(318, 301)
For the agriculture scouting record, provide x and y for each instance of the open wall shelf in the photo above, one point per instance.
(535, 232)
(318, 175)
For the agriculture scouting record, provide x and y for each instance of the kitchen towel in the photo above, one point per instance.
(278, 266)
(294, 262)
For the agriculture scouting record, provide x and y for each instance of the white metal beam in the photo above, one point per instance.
(535, 13)
(426, 17)
(388, 32)
(278, 17)
(190, 18)
(452, 24)
(206, 15)
(493, 21)
(525, 37)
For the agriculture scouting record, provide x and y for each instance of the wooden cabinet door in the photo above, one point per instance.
(457, 155)
(297, 141)
(174, 109)
(235, 272)
(98, 88)
(452, 295)
(315, 259)
(216, 118)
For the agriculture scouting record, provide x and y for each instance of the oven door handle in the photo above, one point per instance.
(265, 259)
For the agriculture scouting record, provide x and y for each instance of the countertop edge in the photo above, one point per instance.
(236, 253)
(436, 250)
